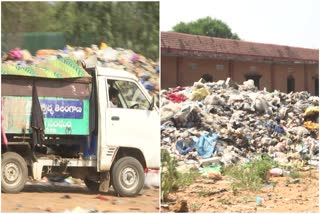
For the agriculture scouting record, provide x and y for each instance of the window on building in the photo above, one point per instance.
(253, 68)
(290, 84)
(255, 78)
(219, 67)
(316, 86)
(193, 66)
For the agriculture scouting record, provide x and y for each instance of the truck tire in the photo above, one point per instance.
(93, 186)
(14, 172)
(127, 177)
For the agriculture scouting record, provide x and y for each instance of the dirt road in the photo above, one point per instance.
(61, 197)
(302, 195)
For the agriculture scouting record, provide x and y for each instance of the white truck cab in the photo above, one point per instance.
(133, 123)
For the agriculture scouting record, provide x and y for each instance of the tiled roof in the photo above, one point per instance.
(193, 45)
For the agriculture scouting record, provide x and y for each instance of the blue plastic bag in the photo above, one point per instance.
(182, 149)
(206, 145)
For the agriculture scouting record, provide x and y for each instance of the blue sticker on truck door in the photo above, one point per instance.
(62, 108)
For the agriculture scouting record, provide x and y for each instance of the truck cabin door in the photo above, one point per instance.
(129, 122)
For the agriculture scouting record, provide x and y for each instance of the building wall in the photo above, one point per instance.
(312, 74)
(283, 71)
(191, 70)
(188, 70)
(241, 69)
(168, 72)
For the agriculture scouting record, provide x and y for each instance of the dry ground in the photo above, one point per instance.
(302, 196)
(57, 197)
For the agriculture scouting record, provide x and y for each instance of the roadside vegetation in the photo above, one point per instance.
(171, 179)
(251, 176)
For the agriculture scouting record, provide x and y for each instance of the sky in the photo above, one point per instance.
(283, 22)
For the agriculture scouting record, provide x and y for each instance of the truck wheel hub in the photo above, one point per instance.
(11, 172)
(129, 176)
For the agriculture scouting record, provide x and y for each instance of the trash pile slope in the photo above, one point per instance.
(226, 123)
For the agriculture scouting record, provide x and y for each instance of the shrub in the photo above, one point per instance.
(171, 179)
(252, 175)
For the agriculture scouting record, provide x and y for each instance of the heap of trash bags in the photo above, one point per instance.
(224, 123)
(146, 70)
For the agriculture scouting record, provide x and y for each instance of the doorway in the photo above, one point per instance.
(290, 84)
(255, 78)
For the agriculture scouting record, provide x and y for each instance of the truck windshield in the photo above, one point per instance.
(129, 95)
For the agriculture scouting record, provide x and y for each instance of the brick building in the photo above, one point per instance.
(185, 58)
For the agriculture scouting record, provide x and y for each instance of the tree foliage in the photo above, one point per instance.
(129, 25)
(206, 26)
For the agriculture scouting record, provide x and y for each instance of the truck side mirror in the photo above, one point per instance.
(152, 103)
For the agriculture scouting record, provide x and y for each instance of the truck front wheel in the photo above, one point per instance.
(14, 172)
(127, 177)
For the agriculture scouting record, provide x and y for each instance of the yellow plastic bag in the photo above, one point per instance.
(311, 110)
(70, 48)
(311, 125)
(199, 94)
(103, 46)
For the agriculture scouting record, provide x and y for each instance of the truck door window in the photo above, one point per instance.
(114, 100)
(129, 94)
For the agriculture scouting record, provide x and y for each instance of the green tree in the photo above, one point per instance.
(129, 25)
(25, 16)
(206, 26)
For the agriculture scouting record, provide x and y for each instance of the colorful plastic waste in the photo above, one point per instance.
(15, 54)
(212, 168)
(199, 94)
(248, 122)
(276, 172)
(116, 58)
(176, 98)
(311, 125)
(206, 144)
(259, 201)
(103, 46)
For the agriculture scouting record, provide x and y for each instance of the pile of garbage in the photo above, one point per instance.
(145, 69)
(224, 123)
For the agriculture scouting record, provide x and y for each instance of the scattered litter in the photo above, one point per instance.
(93, 210)
(295, 181)
(66, 197)
(77, 210)
(102, 197)
(165, 205)
(133, 208)
(152, 179)
(69, 180)
(276, 172)
(114, 202)
(212, 172)
(269, 185)
(259, 201)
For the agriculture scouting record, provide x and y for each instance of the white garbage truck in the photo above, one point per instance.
(93, 123)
